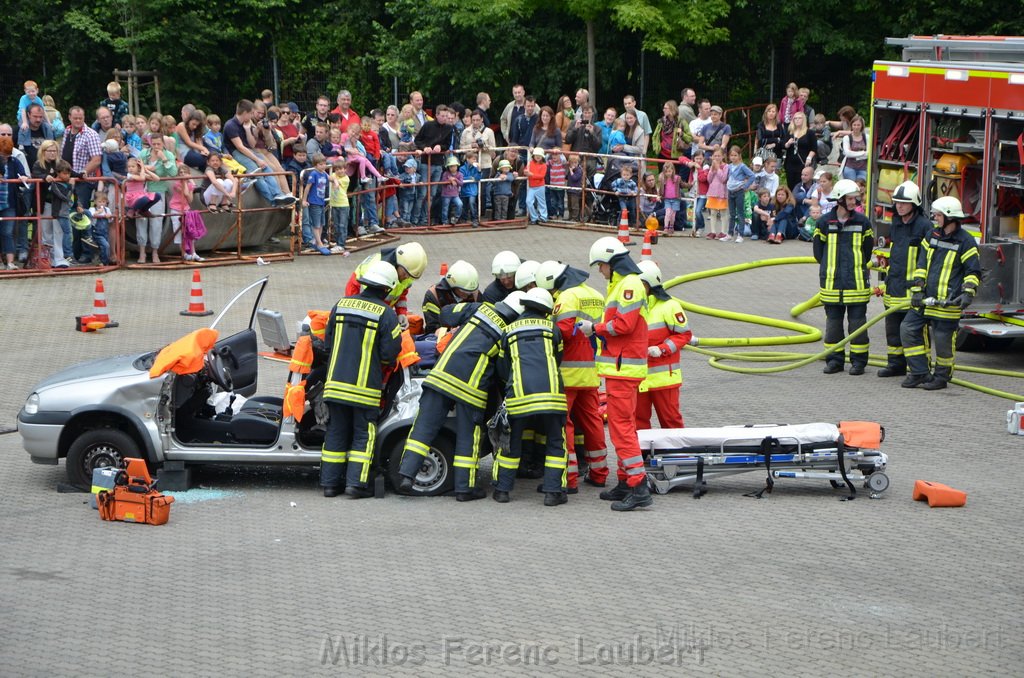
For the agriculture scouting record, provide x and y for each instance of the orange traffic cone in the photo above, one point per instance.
(624, 229)
(647, 252)
(196, 305)
(99, 305)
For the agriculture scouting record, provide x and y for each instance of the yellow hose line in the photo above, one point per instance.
(805, 333)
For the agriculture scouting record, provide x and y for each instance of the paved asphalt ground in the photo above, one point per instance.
(258, 574)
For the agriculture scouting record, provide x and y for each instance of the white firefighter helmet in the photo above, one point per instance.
(462, 275)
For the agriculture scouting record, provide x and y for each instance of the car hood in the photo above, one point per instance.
(115, 367)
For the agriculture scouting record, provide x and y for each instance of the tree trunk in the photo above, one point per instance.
(591, 64)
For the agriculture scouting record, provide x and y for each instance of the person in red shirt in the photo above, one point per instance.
(536, 191)
(347, 116)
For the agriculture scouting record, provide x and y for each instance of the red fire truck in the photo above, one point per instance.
(950, 116)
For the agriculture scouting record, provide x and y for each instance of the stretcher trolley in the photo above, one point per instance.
(845, 455)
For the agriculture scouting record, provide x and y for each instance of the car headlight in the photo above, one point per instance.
(32, 404)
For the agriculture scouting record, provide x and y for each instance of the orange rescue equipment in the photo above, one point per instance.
(863, 434)
(184, 356)
(294, 400)
(302, 355)
(318, 323)
(408, 357)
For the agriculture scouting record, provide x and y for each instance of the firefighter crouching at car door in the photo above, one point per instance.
(461, 377)
(843, 241)
(909, 227)
(410, 260)
(948, 270)
(364, 336)
(622, 361)
(534, 396)
(667, 334)
(575, 301)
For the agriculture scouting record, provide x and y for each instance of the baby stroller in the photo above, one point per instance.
(605, 206)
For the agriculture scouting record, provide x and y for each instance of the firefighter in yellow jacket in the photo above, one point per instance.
(667, 334)
(364, 336)
(534, 396)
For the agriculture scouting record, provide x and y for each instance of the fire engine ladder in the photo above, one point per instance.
(1008, 50)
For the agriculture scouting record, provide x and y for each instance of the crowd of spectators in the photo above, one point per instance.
(405, 166)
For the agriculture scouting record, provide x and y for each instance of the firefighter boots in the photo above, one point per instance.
(617, 493)
(639, 497)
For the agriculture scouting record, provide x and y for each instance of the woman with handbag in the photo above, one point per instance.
(771, 134)
(801, 149)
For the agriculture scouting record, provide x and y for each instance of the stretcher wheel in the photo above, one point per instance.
(877, 482)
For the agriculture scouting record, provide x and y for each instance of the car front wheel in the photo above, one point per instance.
(435, 476)
(98, 448)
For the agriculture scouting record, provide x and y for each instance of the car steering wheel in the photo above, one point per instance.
(217, 371)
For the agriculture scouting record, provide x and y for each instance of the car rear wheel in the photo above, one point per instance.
(435, 476)
(98, 448)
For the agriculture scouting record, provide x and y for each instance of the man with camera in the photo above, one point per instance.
(585, 137)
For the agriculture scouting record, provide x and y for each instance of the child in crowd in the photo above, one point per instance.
(370, 140)
(784, 225)
(389, 195)
(650, 201)
(336, 147)
(617, 137)
(114, 161)
(61, 194)
(501, 191)
(771, 179)
(471, 175)
(823, 133)
(213, 139)
(810, 223)
(626, 190)
(536, 173)
(138, 202)
(117, 106)
(131, 136)
(179, 202)
(339, 208)
(671, 189)
(451, 185)
(407, 129)
(101, 215)
(555, 194)
(718, 196)
(356, 156)
(574, 186)
(863, 185)
(219, 187)
(821, 192)
(698, 192)
(295, 164)
(31, 96)
(740, 179)
(53, 115)
(763, 216)
(407, 192)
(314, 198)
(518, 170)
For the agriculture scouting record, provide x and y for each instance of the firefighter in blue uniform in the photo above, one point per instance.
(528, 364)
(843, 241)
(364, 336)
(461, 378)
(909, 227)
(503, 267)
(948, 270)
(459, 284)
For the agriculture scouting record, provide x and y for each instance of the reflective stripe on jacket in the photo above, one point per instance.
(906, 240)
(623, 351)
(947, 263)
(364, 336)
(465, 369)
(528, 363)
(667, 329)
(843, 250)
(396, 298)
(581, 302)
